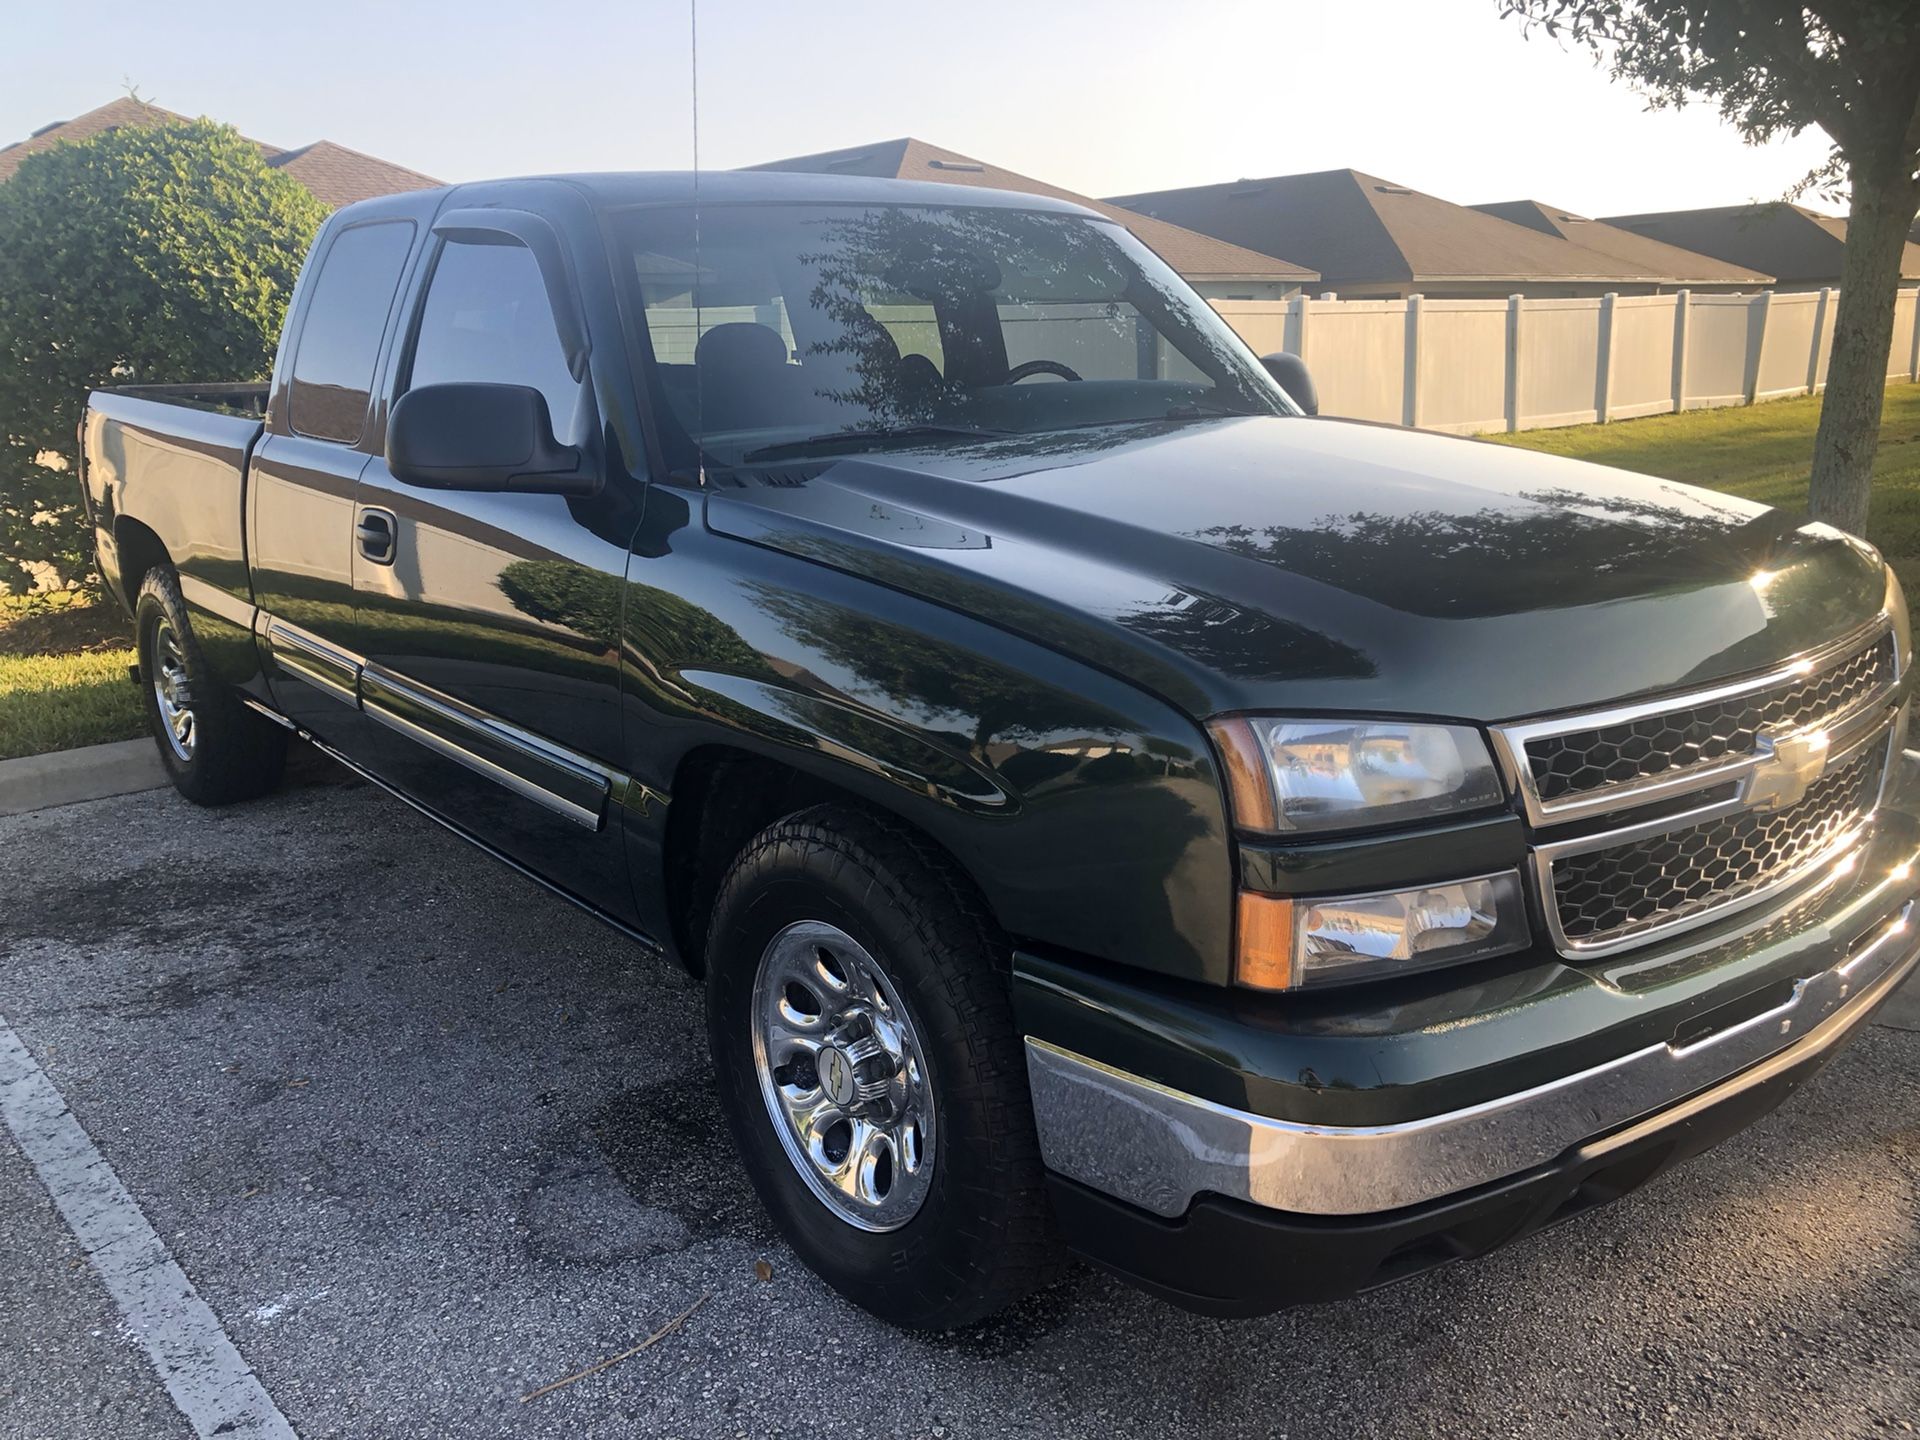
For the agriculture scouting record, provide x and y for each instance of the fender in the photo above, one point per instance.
(849, 735)
(1088, 811)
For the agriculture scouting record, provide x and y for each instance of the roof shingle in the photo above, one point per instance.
(339, 176)
(1790, 241)
(336, 175)
(111, 116)
(1358, 228)
(1670, 262)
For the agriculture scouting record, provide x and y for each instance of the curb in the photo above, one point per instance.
(66, 777)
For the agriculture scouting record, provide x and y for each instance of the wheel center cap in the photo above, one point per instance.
(836, 1074)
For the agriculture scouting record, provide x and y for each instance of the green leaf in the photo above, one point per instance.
(150, 255)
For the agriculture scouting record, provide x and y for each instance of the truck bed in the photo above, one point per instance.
(167, 465)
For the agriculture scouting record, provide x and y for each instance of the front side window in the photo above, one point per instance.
(487, 318)
(782, 328)
(340, 336)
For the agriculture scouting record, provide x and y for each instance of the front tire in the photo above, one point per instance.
(215, 750)
(863, 1036)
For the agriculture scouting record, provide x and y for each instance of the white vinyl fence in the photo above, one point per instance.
(1467, 366)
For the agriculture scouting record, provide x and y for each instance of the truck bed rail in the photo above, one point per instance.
(238, 397)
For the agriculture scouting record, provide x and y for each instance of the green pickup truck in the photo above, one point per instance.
(1113, 809)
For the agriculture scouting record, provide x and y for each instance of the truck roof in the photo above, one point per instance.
(657, 187)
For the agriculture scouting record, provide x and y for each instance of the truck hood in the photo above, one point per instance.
(1285, 563)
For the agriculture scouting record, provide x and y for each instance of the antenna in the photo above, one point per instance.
(699, 401)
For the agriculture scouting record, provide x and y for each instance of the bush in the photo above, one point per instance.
(142, 256)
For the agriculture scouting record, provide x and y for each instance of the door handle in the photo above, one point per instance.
(378, 536)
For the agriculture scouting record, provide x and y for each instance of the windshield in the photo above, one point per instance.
(793, 330)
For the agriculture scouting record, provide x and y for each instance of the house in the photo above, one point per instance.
(1802, 247)
(1374, 239)
(1677, 267)
(336, 175)
(1215, 268)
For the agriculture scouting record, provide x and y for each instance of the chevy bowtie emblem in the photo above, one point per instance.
(1788, 766)
(836, 1075)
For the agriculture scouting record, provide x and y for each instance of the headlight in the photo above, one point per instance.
(1286, 942)
(1313, 775)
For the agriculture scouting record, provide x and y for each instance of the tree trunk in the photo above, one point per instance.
(1883, 208)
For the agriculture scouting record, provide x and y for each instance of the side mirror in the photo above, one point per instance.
(1291, 371)
(474, 436)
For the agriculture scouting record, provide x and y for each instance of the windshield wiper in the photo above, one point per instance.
(1198, 410)
(883, 435)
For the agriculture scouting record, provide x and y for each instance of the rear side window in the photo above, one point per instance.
(487, 318)
(340, 336)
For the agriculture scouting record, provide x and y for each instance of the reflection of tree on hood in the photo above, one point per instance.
(1246, 641)
(1440, 562)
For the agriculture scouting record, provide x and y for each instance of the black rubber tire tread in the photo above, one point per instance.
(238, 755)
(986, 1234)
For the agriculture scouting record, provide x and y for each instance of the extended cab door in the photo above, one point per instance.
(301, 481)
(489, 623)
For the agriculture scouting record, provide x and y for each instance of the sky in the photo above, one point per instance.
(1099, 96)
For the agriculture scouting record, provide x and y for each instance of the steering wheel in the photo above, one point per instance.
(1040, 367)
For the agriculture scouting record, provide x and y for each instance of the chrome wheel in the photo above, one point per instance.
(843, 1076)
(173, 692)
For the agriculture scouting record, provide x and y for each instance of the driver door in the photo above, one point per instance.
(490, 621)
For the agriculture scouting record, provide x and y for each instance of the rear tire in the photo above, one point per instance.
(215, 750)
(870, 935)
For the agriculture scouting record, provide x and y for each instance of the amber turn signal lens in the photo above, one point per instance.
(1249, 790)
(1263, 956)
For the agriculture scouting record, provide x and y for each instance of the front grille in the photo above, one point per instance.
(1584, 761)
(1658, 816)
(1602, 895)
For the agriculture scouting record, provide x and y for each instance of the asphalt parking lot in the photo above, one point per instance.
(425, 1139)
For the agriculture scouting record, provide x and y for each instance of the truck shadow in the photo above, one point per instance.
(668, 1144)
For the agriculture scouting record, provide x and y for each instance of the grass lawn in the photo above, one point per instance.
(63, 676)
(1762, 452)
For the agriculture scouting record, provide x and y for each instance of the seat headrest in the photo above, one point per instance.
(740, 345)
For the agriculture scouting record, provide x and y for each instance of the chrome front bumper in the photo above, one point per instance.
(1159, 1148)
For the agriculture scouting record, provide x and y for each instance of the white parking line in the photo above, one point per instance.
(203, 1372)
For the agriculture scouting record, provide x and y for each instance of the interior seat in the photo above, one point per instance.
(744, 379)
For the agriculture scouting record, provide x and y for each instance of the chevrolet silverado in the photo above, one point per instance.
(1112, 808)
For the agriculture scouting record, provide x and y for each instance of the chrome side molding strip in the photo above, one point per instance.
(1158, 1148)
(531, 768)
(260, 707)
(551, 776)
(328, 669)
